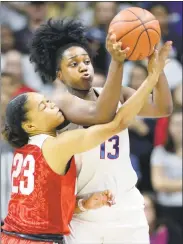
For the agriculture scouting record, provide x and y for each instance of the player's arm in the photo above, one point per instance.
(160, 103)
(84, 112)
(59, 150)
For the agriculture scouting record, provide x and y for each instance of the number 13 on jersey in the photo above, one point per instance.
(114, 154)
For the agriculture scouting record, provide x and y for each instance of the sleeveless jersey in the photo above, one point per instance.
(107, 166)
(42, 202)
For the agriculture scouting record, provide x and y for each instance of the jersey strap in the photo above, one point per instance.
(38, 140)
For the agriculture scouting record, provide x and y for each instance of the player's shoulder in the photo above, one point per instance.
(34, 144)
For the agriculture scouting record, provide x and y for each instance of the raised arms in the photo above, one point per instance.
(64, 146)
(160, 103)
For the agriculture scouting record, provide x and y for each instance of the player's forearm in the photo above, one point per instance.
(108, 101)
(134, 104)
(162, 97)
(97, 134)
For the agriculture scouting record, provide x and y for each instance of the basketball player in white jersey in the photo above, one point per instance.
(108, 166)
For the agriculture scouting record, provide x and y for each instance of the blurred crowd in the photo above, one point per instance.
(156, 145)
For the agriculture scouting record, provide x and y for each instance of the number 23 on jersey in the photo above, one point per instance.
(24, 168)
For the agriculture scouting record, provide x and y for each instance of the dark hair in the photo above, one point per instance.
(169, 144)
(51, 40)
(15, 115)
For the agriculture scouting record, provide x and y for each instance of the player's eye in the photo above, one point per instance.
(73, 64)
(87, 62)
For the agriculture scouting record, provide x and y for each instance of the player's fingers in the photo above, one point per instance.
(126, 50)
(166, 48)
(118, 46)
(112, 39)
(106, 192)
(108, 39)
(155, 55)
(110, 32)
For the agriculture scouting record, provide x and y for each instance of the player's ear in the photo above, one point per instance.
(59, 75)
(28, 127)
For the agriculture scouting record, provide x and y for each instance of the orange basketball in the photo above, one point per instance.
(137, 29)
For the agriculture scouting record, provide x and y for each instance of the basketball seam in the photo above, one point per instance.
(142, 22)
(134, 27)
(123, 21)
(136, 43)
(153, 30)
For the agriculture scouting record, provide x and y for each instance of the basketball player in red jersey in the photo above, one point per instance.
(44, 172)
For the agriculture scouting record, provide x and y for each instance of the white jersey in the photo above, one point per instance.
(107, 166)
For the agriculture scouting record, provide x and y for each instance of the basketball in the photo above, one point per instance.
(137, 29)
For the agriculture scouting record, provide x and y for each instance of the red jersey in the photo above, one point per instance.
(42, 202)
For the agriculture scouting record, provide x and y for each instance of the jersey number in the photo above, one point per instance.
(115, 153)
(26, 186)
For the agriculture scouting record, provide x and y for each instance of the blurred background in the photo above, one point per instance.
(156, 145)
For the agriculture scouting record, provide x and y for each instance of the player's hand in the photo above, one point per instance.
(159, 58)
(99, 199)
(114, 48)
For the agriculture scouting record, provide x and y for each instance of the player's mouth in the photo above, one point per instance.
(86, 76)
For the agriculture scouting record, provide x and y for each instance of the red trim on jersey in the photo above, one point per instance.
(49, 207)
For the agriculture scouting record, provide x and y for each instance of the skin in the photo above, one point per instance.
(89, 110)
(76, 69)
(59, 149)
(160, 106)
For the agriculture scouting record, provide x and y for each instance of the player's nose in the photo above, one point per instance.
(83, 68)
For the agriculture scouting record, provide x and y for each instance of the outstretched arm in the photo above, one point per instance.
(84, 112)
(59, 150)
(160, 103)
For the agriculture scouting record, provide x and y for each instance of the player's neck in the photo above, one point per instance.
(83, 94)
(49, 133)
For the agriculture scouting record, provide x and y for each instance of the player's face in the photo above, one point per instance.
(43, 115)
(76, 70)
